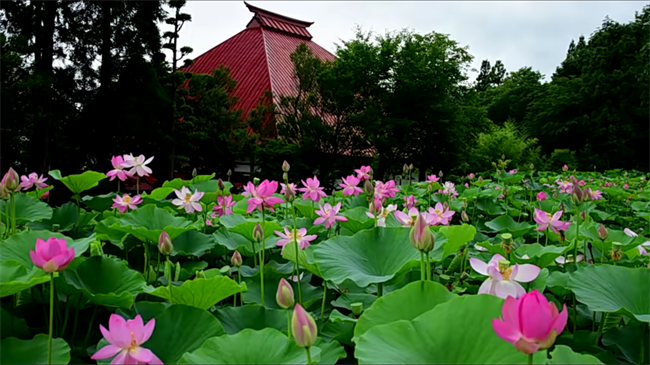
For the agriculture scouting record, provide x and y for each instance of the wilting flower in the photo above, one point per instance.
(630, 232)
(312, 190)
(449, 189)
(541, 196)
(52, 255)
(188, 200)
(138, 165)
(298, 235)
(223, 206)
(421, 236)
(303, 327)
(530, 323)
(545, 219)
(118, 169)
(328, 214)
(440, 215)
(284, 295)
(565, 168)
(125, 201)
(263, 197)
(470, 176)
(432, 178)
(561, 260)
(350, 186)
(33, 179)
(565, 186)
(504, 279)
(363, 173)
(124, 338)
(385, 190)
(289, 191)
(381, 213)
(409, 201)
(641, 248)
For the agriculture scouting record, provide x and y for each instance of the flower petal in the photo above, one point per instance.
(506, 331)
(504, 288)
(106, 352)
(478, 265)
(526, 273)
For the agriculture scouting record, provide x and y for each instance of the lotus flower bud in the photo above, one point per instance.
(229, 173)
(258, 233)
(303, 327)
(236, 259)
(421, 236)
(11, 181)
(200, 274)
(368, 188)
(411, 167)
(370, 173)
(576, 195)
(464, 216)
(289, 194)
(194, 172)
(480, 178)
(165, 245)
(565, 168)
(221, 185)
(406, 168)
(440, 173)
(285, 166)
(256, 181)
(375, 207)
(602, 232)
(532, 167)
(357, 308)
(583, 215)
(284, 295)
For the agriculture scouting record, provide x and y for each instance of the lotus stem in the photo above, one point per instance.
(428, 267)
(380, 289)
(322, 306)
(241, 296)
(50, 348)
(146, 261)
(169, 280)
(76, 320)
(308, 355)
(422, 268)
(90, 326)
(530, 359)
(288, 323)
(575, 314)
(262, 259)
(295, 242)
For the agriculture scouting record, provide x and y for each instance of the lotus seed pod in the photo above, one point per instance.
(357, 308)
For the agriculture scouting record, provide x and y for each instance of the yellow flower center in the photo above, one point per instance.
(127, 200)
(187, 198)
(506, 273)
(134, 344)
(549, 215)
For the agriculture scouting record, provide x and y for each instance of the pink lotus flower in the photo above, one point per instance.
(297, 235)
(363, 173)
(607, 184)
(449, 189)
(350, 186)
(187, 200)
(138, 165)
(45, 194)
(208, 222)
(124, 338)
(470, 176)
(118, 169)
(385, 190)
(290, 186)
(626, 186)
(565, 186)
(466, 185)
(541, 196)
(52, 255)
(303, 327)
(328, 214)
(263, 197)
(512, 171)
(409, 201)
(381, 212)
(641, 248)
(530, 323)
(545, 219)
(122, 203)
(223, 206)
(407, 220)
(249, 190)
(33, 179)
(312, 190)
(433, 178)
(582, 183)
(504, 279)
(561, 260)
(440, 215)
(594, 195)
(565, 168)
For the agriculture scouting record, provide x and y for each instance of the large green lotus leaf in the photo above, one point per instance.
(160, 193)
(454, 238)
(79, 183)
(330, 353)
(106, 281)
(146, 310)
(539, 255)
(370, 256)
(201, 293)
(252, 316)
(146, 223)
(406, 303)
(456, 332)
(505, 224)
(232, 220)
(193, 243)
(347, 299)
(246, 229)
(488, 206)
(17, 247)
(563, 355)
(28, 209)
(66, 216)
(99, 203)
(114, 236)
(234, 241)
(608, 288)
(15, 277)
(630, 340)
(271, 347)
(272, 276)
(305, 258)
(357, 219)
(34, 351)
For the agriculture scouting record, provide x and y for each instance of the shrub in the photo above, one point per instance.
(507, 140)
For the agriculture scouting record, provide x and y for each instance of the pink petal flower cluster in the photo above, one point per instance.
(440, 215)
(408, 220)
(118, 169)
(125, 339)
(328, 214)
(363, 173)
(350, 187)
(504, 279)
(449, 189)
(312, 190)
(565, 186)
(530, 323)
(409, 202)
(546, 219)
(593, 195)
(188, 201)
(385, 190)
(31, 180)
(299, 235)
(122, 203)
(262, 196)
(138, 165)
(433, 178)
(52, 255)
(224, 203)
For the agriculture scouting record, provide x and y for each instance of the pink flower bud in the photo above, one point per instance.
(258, 233)
(369, 189)
(11, 181)
(464, 216)
(52, 255)
(303, 327)
(284, 295)
(165, 245)
(375, 207)
(421, 236)
(220, 184)
(236, 259)
(565, 168)
(541, 196)
(285, 166)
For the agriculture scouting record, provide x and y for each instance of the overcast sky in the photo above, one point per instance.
(533, 33)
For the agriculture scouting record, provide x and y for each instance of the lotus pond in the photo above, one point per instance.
(510, 267)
